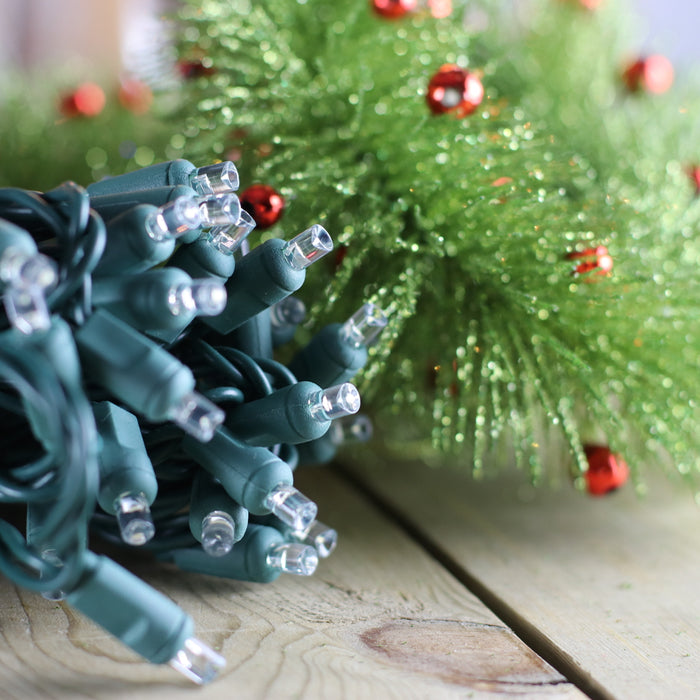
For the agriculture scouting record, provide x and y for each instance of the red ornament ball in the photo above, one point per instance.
(694, 175)
(652, 74)
(586, 4)
(393, 9)
(341, 253)
(606, 471)
(455, 90)
(135, 96)
(87, 100)
(593, 260)
(264, 204)
(440, 8)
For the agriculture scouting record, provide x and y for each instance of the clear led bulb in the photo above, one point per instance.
(50, 556)
(203, 297)
(197, 416)
(291, 507)
(209, 296)
(308, 247)
(218, 533)
(27, 277)
(322, 538)
(197, 661)
(364, 325)
(174, 219)
(293, 558)
(227, 239)
(335, 402)
(26, 308)
(223, 210)
(134, 519)
(28, 269)
(11, 263)
(350, 429)
(219, 178)
(290, 311)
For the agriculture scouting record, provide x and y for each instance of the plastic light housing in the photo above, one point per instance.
(11, 263)
(293, 558)
(50, 556)
(26, 308)
(364, 325)
(197, 416)
(223, 210)
(219, 178)
(174, 219)
(335, 402)
(228, 239)
(292, 507)
(291, 311)
(19, 267)
(134, 519)
(209, 296)
(197, 661)
(27, 278)
(322, 538)
(218, 533)
(204, 297)
(308, 247)
(351, 429)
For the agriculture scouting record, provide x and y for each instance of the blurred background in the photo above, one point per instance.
(111, 34)
(672, 27)
(118, 34)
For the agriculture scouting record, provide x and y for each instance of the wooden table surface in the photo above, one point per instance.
(441, 587)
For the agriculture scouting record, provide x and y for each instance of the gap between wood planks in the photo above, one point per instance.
(525, 630)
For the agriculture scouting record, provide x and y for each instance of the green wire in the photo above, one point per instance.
(277, 370)
(250, 369)
(225, 394)
(65, 480)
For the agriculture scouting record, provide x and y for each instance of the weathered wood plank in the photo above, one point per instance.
(611, 585)
(379, 619)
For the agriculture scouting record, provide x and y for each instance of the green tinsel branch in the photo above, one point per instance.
(462, 227)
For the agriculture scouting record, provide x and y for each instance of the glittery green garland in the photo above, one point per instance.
(461, 227)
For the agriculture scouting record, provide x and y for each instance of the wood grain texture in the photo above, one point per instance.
(379, 619)
(611, 583)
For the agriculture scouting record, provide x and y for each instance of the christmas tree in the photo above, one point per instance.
(534, 245)
(512, 188)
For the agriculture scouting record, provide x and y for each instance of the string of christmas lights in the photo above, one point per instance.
(143, 403)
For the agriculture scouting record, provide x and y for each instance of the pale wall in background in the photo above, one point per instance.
(45, 32)
(88, 34)
(673, 28)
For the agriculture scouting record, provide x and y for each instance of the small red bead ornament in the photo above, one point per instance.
(596, 260)
(606, 471)
(264, 204)
(194, 68)
(652, 74)
(455, 90)
(87, 100)
(393, 9)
